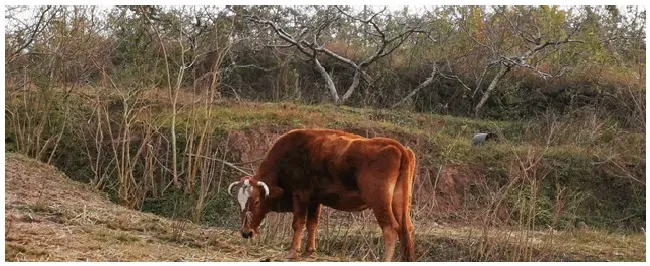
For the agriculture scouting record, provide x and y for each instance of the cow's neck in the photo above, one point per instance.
(268, 176)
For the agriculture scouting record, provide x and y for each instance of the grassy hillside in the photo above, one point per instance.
(48, 217)
(579, 168)
(593, 163)
(574, 172)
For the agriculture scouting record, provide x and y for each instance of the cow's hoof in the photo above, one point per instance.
(291, 255)
(308, 254)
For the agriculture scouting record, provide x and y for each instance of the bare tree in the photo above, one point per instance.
(26, 31)
(385, 44)
(533, 43)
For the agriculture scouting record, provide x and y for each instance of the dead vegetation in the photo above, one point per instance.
(48, 217)
(51, 218)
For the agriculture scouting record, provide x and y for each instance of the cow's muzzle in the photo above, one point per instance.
(249, 234)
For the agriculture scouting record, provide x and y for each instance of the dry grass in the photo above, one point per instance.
(548, 245)
(48, 217)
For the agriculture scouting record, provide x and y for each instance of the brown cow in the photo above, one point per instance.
(307, 168)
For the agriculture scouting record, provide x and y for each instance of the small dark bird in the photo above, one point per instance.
(266, 260)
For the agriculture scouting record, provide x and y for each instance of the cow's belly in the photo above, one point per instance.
(345, 201)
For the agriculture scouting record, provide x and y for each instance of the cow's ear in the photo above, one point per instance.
(275, 192)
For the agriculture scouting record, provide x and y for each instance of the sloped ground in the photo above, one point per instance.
(48, 217)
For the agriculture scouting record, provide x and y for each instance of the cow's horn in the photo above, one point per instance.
(232, 185)
(266, 188)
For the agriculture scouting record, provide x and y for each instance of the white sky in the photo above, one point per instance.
(414, 6)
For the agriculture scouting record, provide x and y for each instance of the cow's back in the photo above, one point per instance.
(321, 164)
(303, 154)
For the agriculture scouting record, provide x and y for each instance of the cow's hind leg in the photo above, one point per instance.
(377, 184)
(379, 197)
(313, 214)
(389, 228)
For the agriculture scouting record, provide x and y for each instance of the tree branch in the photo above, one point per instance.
(281, 33)
(328, 80)
(353, 86)
(37, 29)
(424, 84)
(367, 21)
(454, 77)
(380, 52)
(516, 29)
(502, 72)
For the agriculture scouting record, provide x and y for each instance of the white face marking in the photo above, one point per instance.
(242, 195)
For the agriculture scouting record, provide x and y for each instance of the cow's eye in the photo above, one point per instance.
(257, 202)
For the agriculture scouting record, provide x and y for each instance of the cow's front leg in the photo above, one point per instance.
(299, 217)
(313, 214)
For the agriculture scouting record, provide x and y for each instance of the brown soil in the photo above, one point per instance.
(453, 184)
(253, 144)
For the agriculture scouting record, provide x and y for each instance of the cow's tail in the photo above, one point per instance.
(407, 176)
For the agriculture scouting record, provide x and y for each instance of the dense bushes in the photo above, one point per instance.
(147, 47)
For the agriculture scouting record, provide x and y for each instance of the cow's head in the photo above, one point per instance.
(255, 199)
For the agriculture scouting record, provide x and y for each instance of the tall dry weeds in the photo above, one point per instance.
(514, 206)
(36, 118)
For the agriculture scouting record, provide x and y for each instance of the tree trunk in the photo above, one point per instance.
(493, 85)
(328, 81)
(426, 82)
(353, 86)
